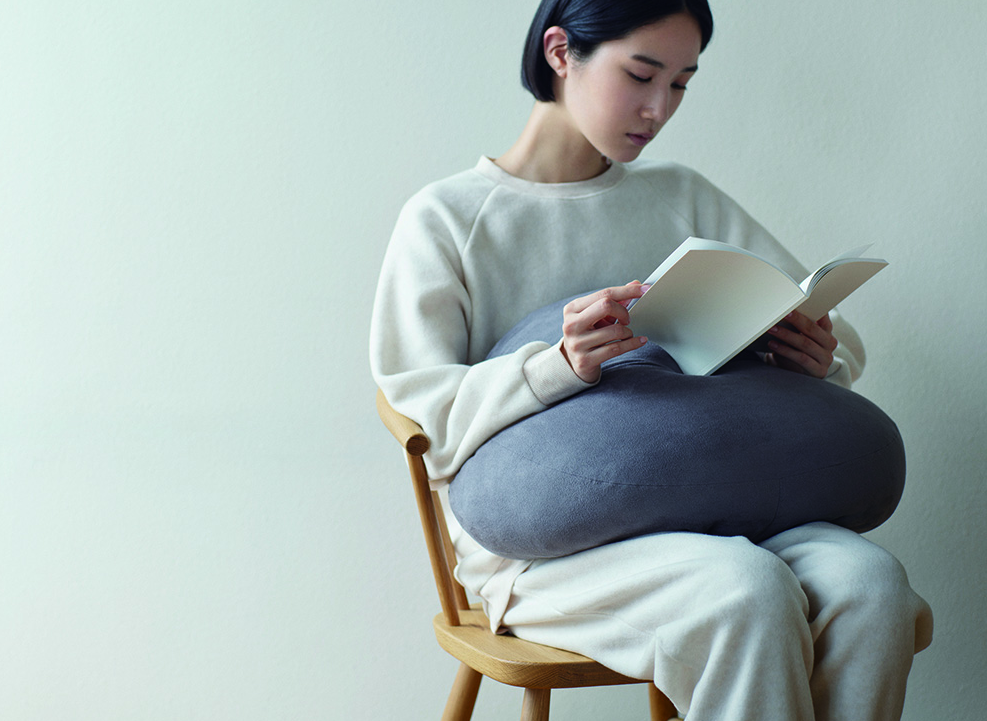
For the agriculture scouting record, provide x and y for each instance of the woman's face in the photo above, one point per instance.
(622, 95)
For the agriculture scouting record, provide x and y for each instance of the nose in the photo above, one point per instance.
(658, 107)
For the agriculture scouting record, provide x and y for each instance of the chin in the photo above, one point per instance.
(624, 155)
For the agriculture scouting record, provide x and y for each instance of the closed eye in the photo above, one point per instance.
(642, 80)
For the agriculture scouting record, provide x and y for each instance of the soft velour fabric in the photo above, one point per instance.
(752, 450)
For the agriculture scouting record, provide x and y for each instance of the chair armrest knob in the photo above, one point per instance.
(408, 433)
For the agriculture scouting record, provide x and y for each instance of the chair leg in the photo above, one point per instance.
(661, 708)
(462, 698)
(535, 705)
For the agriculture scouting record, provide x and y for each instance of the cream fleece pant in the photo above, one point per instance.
(815, 623)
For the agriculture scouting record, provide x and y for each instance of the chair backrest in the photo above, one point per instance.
(440, 551)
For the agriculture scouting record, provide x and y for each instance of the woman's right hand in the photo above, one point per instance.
(594, 329)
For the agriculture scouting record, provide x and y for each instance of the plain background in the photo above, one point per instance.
(200, 515)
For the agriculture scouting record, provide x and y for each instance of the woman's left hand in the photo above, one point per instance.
(805, 346)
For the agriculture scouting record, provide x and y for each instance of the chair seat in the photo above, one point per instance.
(517, 662)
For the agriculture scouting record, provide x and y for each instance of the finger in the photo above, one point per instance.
(616, 294)
(585, 343)
(644, 289)
(806, 344)
(629, 291)
(806, 352)
(813, 329)
(800, 322)
(825, 323)
(806, 335)
(807, 357)
(779, 361)
(596, 317)
(600, 354)
(605, 311)
(587, 364)
(624, 296)
(579, 305)
(789, 358)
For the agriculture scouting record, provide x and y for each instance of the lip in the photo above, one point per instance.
(640, 139)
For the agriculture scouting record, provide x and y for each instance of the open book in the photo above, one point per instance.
(709, 300)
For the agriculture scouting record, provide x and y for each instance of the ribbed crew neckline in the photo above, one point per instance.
(578, 189)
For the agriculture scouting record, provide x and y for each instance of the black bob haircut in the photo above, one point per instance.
(591, 22)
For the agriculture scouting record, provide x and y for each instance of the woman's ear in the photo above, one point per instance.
(556, 45)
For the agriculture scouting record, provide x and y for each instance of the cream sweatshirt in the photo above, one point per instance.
(473, 254)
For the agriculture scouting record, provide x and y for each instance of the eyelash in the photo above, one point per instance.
(639, 79)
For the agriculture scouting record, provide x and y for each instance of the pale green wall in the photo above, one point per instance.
(200, 517)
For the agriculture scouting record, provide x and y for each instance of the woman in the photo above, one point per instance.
(816, 622)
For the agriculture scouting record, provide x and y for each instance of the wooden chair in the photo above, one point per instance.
(464, 631)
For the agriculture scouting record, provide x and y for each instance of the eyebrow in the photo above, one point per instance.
(660, 64)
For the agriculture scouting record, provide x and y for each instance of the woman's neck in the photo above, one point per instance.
(550, 150)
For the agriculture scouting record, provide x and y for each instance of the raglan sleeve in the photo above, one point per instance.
(420, 344)
(716, 215)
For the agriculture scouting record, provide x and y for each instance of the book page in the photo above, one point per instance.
(709, 304)
(834, 283)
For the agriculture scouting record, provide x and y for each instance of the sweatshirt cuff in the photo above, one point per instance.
(550, 376)
(839, 374)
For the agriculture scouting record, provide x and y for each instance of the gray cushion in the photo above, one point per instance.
(751, 450)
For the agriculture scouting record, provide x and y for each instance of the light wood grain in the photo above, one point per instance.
(535, 705)
(517, 662)
(465, 632)
(408, 433)
(661, 707)
(462, 698)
